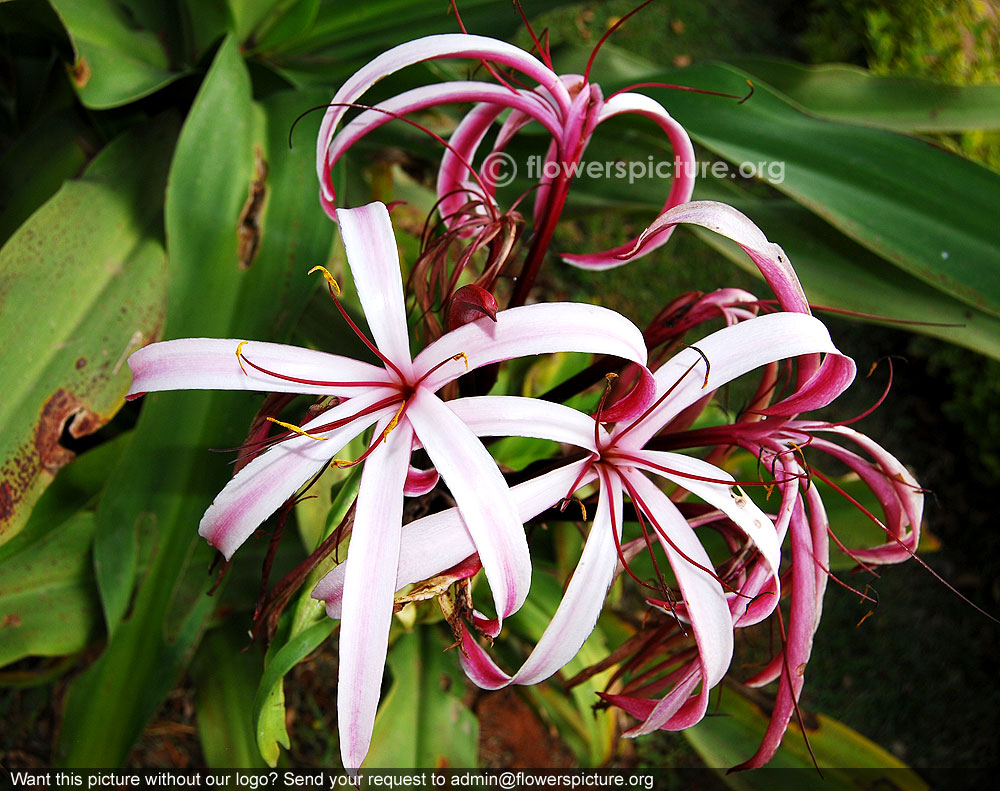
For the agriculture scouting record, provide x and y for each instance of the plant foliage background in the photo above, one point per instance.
(147, 190)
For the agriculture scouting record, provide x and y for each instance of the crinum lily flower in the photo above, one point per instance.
(569, 107)
(619, 461)
(399, 400)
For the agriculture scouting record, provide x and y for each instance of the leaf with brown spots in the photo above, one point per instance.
(82, 283)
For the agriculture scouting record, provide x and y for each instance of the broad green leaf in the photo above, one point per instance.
(225, 671)
(37, 164)
(735, 729)
(343, 37)
(927, 212)
(839, 92)
(116, 63)
(83, 286)
(48, 600)
(233, 273)
(422, 720)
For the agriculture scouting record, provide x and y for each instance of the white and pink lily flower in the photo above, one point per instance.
(621, 464)
(569, 107)
(399, 400)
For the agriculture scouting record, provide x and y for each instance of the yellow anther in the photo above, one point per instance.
(239, 356)
(328, 277)
(610, 377)
(295, 429)
(341, 464)
(462, 356)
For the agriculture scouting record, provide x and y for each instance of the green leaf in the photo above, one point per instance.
(734, 731)
(37, 164)
(422, 720)
(116, 63)
(229, 277)
(838, 92)
(343, 37)
(83, 285)
(269, 703)
(48, 601)
(927, 212)
(225, 672)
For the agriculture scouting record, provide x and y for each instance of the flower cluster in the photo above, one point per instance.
(631, 459)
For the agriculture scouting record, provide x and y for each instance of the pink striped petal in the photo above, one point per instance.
(371, 252)
(727, 221)
(528, 330)
(369, 588)
(453, 45)
(482, 497)
(260, 488)
(731, 352)
(681, 186)
(427, 96)
(514, 416)
(581, 605)
(705, 601)
(211, 364)
(686, 471)
(441, 541)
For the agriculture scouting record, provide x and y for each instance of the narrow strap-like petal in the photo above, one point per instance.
(440, 541)
(705, 602)
(450, 45)
(681, 184)
(482, 497)
(369, 588)
(371, 251)
(581, 605)
(260, 488)
(514, 416)
(426, 96)
(726, 221)
(730, 352)
(528, 330)
(212, 364)
(690, 473)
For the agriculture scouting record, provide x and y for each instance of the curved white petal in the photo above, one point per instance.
(371, 251)
(515, 416)
(581, 605)
(482, 497)
(723, 219)
(690, 473)
(731, 352)
(451, 45)
(260, 488)
(705, 601)
(528, 330)
(443, 93)
(681, 184)
(212, 364)
(369, 589)
(440, 541)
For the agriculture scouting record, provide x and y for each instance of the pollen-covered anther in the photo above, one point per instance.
(328, 277)
(239, 356)
(462, 356)
(295, 429)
